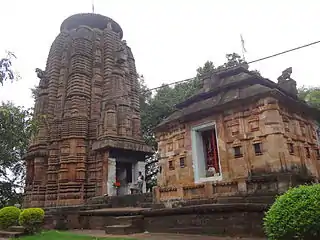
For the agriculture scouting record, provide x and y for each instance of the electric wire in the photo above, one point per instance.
(190, 79)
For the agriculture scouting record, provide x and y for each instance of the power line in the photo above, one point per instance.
(189, 79)
(280, 53)
(254, 61)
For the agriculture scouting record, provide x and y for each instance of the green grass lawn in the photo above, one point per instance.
(56, 235)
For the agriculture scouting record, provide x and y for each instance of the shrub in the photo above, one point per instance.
(295, 215)
(31, 219)
(9, 216)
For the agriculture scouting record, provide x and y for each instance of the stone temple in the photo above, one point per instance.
(88, 105)
(241, 135)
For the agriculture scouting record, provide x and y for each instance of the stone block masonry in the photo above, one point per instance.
(88, 105)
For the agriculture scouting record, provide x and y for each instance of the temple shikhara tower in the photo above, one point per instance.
(89, 129)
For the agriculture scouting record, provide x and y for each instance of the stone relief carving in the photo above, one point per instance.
(286, 75)
(40, 73)
(42, 76)
(121, 55)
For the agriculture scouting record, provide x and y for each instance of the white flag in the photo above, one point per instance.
(242, 43)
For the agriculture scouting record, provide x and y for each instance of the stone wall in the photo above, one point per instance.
(266, 123)
(263, 185)
(236, 219)
(227, 220)
(301, 140)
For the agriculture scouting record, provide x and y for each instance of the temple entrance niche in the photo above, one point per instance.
(125, 171)
(124, 176)
(205, 153)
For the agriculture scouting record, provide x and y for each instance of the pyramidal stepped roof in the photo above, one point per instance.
(230, 87)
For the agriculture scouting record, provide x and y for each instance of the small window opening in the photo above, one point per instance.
(237, 152)
(171, 165)
(182, 162)
(257, 149)
(290, 147)
(318, 153)
(307, 152)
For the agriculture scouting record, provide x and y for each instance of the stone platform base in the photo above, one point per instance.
(157, 236)
(232, 219)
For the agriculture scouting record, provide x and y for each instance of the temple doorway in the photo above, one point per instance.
(205, 153)
(124, 176)
(210, 149)
(123, 172)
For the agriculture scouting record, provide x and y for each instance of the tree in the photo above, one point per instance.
(207, 67)
(35, 92)
(16, 128)
(311, 95)
(6, 71)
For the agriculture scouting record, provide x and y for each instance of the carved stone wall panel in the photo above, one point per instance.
(262, 131)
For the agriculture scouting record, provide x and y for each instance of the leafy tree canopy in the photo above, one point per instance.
(6, 71)
(311, 95)
(16, 128)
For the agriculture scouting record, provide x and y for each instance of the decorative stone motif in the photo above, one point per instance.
(88, 103)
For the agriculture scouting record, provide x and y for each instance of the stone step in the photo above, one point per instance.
(261, 199)
(151, 205)
(18, 229)
(136, 220)
(8, 234)
(248, 199)
(230, 200)
(124, 229)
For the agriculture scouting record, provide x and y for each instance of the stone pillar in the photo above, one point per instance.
(103, 172)
(111, 176)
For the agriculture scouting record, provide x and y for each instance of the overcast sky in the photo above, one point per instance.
(171, 38)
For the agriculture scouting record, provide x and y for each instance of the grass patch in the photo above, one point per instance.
(56, 235)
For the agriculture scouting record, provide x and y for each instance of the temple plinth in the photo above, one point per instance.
(88, 104)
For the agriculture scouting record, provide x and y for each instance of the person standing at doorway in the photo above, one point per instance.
(140, 182)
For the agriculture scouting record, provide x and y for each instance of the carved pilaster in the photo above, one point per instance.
(111, 176)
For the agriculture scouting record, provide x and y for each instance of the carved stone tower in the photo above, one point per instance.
(88, 106)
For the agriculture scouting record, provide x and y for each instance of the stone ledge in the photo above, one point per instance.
(115, 212)
(208, 208)
(121, 143)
